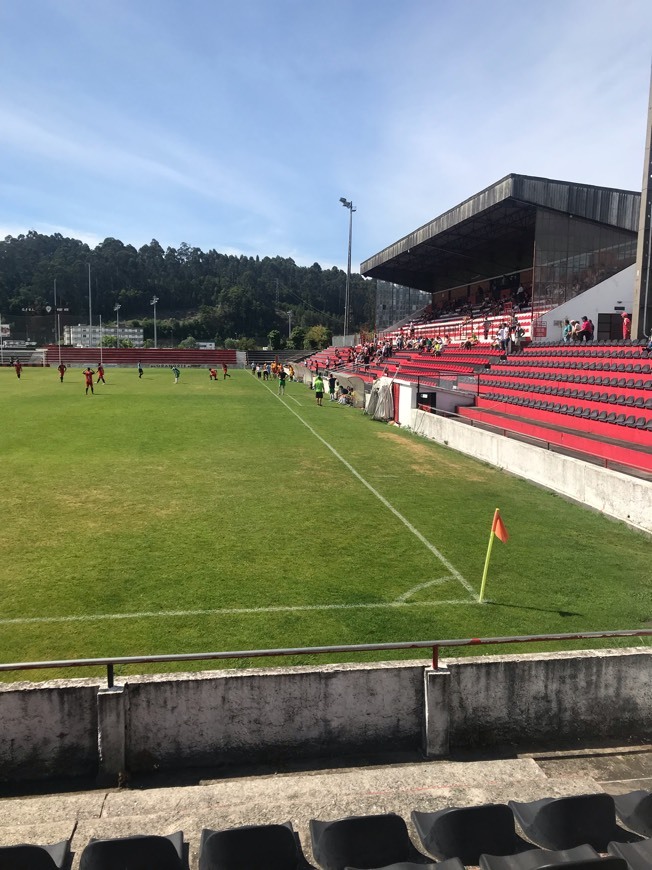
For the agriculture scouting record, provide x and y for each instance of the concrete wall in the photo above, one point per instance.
(69, 728)
(618, 495)
(512, 699)
(48, 729)
(266, 715)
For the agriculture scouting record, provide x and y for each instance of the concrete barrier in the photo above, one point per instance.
(175, 721)
(618, 495)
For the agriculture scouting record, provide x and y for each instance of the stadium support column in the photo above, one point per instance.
(436, 718)
(111, 735)
(642, 306)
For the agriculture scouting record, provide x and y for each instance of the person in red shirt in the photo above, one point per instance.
(88, 374)
(100, 374)
(212, 374)
(225, 369)
(627, 326)
(19, 367)
(61, 368)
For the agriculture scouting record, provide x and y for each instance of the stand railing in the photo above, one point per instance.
(435, 646)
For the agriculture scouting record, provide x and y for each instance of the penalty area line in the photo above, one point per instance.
(230, 611)
(448, 565)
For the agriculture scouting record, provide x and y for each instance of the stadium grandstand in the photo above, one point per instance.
(513, 273)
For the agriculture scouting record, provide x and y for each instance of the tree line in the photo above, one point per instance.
(202, 295)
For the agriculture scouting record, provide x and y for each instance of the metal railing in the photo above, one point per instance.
(434, 645)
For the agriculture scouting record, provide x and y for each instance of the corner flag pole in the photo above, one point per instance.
(498, 530)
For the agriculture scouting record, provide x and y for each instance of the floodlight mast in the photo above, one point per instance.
(117, 308)
(153, 302)
(347, 295)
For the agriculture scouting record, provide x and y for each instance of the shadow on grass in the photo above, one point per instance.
(540, 609)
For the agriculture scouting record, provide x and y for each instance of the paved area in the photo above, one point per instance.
(298, 796)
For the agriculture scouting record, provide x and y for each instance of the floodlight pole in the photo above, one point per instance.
(56, 335)
(59, 330)
(117, 308)
(153, 302)
(348, 204)
(90, 310)
(101, 358)
(289, 323)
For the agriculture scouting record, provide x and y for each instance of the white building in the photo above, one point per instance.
(83, 336)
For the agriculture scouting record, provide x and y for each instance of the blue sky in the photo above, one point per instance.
(238, 125)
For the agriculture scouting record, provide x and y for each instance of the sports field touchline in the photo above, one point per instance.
(382, 499)
(231, 611)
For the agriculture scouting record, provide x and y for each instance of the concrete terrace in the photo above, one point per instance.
(166, 804)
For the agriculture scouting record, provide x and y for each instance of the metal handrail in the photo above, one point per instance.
(434, 645)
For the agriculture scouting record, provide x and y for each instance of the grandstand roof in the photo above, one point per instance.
(492, 232)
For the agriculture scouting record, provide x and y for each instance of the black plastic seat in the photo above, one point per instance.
(257, 847)
(640, 422)
(364, 842)
(134, 853)
(566, 822)
(634, 809)
(620, 420)
(535, 859)
(468, 832)
(637, 855)
(27, 856)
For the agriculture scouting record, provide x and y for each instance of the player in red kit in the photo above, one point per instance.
(88, 374)
(225, 369)
(100, 374)
(212, 374)
(19, 367)
(61, 368)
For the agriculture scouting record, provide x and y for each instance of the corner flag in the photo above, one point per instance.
(498, 527)
(498, 530)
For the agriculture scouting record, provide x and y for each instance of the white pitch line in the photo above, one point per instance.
(410, 592)
(448, 565)
(295, 400)
(228, 611)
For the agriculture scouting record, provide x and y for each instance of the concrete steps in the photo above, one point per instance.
(326, 794)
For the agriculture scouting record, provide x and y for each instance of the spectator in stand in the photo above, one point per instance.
(486, 326)
(503, 336)
(575, 334)
(471, 341)
(627, 326)
(517, 333)
(648, 346)
(586, 329)
(567, 331)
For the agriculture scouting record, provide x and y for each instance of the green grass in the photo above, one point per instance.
(151, 497)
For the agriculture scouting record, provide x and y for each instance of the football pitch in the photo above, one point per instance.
(155, 517)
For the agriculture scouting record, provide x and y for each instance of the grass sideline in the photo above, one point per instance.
(216, 500)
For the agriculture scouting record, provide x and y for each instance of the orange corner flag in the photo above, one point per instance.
(498, 527)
